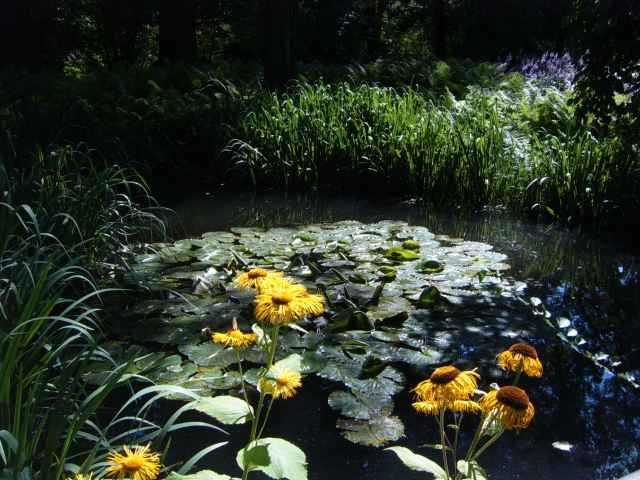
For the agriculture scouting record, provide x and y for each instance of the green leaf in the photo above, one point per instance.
(429, 297)
(358, 405)
(224, 408)
(418, 462)
(390, 308)
(400, 254)
(471, 470)
(201, 475)
(286, 460)
(292, 362)
(411, 245)
(430, 266)
(374, 432)
(255, 457)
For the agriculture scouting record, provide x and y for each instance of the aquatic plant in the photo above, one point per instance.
(378, 311)
(502, 408)
(277, 303)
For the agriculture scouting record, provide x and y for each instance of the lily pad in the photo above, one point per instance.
(374, 432)
(390, 308)
(430, 266)
(400, 254)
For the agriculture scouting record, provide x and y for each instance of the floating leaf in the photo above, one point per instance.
(359, 406)
(374, 432)
(429, 297)
(411, 245)
(430, 266)
(390, 308)
(400, 254)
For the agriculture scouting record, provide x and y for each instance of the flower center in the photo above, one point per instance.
(281, 297)
(513, 397)
(133, 463)
(524, 349)
(257, 273)
(444, 375)
(282, 381)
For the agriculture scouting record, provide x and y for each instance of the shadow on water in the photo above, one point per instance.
(589, 286)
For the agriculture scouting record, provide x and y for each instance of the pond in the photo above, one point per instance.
(573, 297)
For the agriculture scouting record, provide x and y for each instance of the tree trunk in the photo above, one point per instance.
(279, 56)
(178, 31)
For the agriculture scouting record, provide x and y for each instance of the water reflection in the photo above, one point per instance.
(590, 286)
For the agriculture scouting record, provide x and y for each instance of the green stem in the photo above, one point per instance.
(476, 439)
(455, 438)
(443, 444)
(516, 380)
(490, 442)
(266, 417)
(244, 389)
(256, 418)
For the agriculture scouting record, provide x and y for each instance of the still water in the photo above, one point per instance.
(586, 403)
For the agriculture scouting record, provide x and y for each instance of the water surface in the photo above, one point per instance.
(590, 287)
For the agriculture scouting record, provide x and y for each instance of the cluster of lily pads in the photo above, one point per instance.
(399, 299)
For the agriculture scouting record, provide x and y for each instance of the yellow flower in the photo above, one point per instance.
(458, 406)
(286, 303)
(282, 383)
(510, 405)
(136, 464)
(80, 476)
(521, 357)
(447, 384)
(258, 278)
(234, 338)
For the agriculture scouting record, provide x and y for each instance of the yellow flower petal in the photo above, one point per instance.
(136, 464)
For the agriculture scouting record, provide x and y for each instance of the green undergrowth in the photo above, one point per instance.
(453, 134)
(66, 226)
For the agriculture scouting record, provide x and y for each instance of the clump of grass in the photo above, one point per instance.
(490, 148)
(79, 219)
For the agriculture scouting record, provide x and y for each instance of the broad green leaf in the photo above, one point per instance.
(471, 470)
(418, 462)
(201, 475)
(286, 460)
(429, 297)
(390, 308)
(292, 362)
(374, 432)
(224, 408)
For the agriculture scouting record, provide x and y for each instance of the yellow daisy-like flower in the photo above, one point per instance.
(283, 383)
(521, 357)
(286, 303)
(80, 476)
(234, 338)
(447, 384)
(136, 464)
(458, 406)
(511, 406)
(258, 278)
